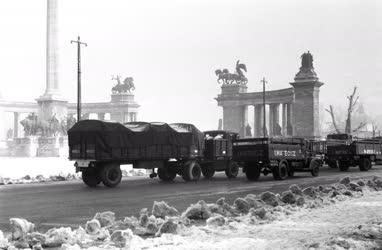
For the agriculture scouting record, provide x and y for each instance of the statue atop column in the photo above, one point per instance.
(306, 69)
(227, 78)
(307, 60)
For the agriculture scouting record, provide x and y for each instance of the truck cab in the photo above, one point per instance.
(218, 153)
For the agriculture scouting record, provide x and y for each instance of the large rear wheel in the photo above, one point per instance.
(192, 171)
(343, 166)
(91, 177)
(252, 171)
(332, 163)
(232, 170)
(166, 174)
(111, 175)
(364, 164)
(280, 172)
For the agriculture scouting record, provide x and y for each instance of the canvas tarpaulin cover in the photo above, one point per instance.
(108, 135)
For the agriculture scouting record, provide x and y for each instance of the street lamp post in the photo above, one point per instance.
(79, 43)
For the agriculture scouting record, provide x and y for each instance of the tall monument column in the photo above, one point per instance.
(305, 113)
(51, 103)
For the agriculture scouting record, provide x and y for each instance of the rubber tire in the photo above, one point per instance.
(365, 164)
(91, 177)
(343, 166)
(332, 164)
(111, 175)
(192, 171)
(232, 170)
(315, 167)
(208, 172)
(281, 171)
(291, 172)
(165, 174)
(252, 172)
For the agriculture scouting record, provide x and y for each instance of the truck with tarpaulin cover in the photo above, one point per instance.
(99, 148)
(280, 156)
(348, 151)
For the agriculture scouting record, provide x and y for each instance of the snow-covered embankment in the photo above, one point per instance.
(345, 215)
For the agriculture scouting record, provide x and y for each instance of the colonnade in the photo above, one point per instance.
(277, 112)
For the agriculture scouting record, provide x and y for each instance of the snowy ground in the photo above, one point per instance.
(346, 215)
(26, 169)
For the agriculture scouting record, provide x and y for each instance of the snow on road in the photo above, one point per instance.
(346, 215)
(15, 169)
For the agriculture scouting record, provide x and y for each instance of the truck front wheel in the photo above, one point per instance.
(280, 172)
(208, 171)
(165, 174)
(91, 177)
(315, 167)
(252, 172)
(111, 175)
(364, 164)
(232, 170)
(191, 171)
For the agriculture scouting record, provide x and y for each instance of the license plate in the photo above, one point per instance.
(83, 164)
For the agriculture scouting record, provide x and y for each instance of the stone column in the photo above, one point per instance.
(289, 128)
(101, 116)
(235, 119)
(15, 124)
(258, 121)
(52, 87)
(276, 119)
(271, 119)
(284, 119)
(306, 108)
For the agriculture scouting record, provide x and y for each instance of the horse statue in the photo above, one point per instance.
(118, 87)
(125, 87)
(129, 84)
(225, 77)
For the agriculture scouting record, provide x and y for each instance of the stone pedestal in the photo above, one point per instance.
(235, 115)
(122, 97)
(306, 103)
(48, 147)
(23, 147)
(52, 106)
(233, 89)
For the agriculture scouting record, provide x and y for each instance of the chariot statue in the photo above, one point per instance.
(225, 77)
(123, 87)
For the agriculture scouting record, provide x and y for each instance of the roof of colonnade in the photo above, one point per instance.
(254, 98)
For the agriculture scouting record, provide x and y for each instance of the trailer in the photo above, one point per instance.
(352, 152)
(280, 156)
(218, 153)
(99, 148)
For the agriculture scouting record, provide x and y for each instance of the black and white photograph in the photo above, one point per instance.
(191, 124)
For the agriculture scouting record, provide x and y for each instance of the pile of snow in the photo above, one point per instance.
(25, 170)
(296, 215)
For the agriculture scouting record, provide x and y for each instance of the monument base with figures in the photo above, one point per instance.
(48, 147)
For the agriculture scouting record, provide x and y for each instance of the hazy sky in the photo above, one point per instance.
(172, 49)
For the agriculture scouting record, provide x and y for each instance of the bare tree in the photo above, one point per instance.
(331, 112)
(374, 128)
(353, 100)
(352, 103)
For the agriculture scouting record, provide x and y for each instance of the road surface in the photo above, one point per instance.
(72, 203)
